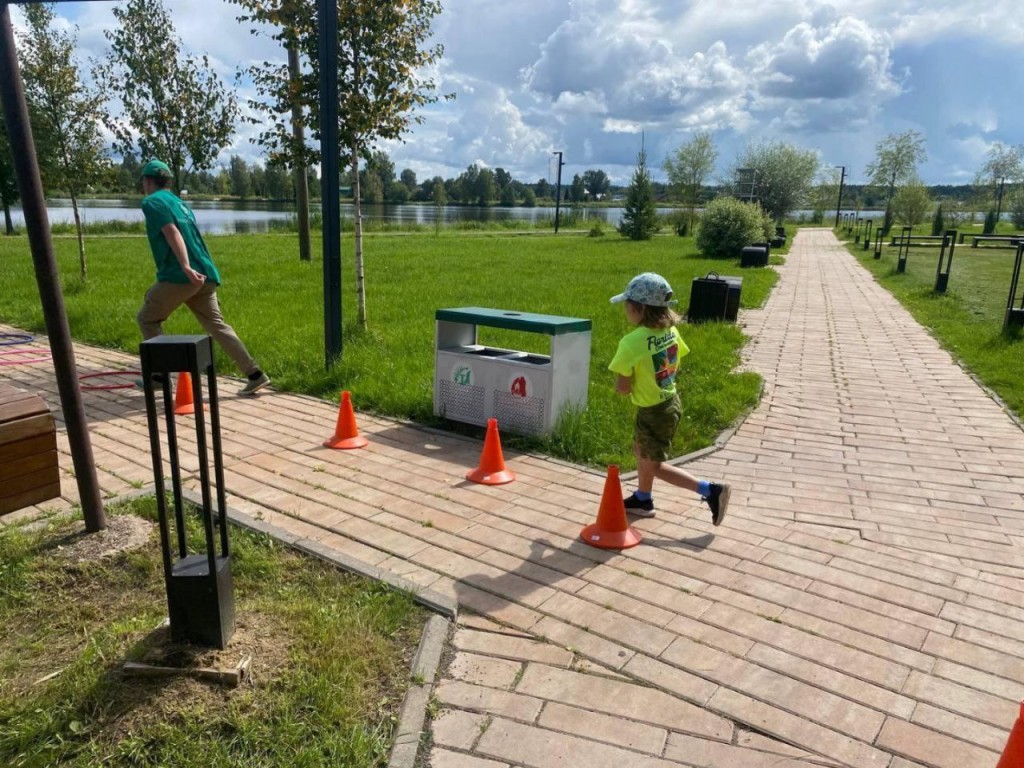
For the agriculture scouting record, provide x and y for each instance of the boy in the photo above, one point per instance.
(647, 363)
(185, 273)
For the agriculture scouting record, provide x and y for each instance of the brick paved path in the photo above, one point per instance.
(861, 606)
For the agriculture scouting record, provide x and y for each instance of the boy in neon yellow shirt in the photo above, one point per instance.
(647, 363)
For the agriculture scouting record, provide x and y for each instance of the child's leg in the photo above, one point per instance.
(676, 476)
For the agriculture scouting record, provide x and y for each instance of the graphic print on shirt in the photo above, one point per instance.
(666, 363)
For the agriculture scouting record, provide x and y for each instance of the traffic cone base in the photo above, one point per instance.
(346, 433)
(1013, 753)
(184, 404)
(492, 470)
(611, 529)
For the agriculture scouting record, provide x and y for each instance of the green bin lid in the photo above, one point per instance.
(552, 325)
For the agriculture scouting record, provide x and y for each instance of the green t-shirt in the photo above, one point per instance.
(164, 207)
(651, 356)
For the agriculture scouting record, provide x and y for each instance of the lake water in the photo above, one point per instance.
(220, 218)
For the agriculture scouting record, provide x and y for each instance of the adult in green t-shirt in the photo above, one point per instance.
(185, 273)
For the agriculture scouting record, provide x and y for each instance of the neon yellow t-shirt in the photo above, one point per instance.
(651, 356)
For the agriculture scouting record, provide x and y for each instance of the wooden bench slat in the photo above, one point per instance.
(21, 409)
(26, 482)
(29, 447)
(25, 465)
(13, 431)
(27, 499)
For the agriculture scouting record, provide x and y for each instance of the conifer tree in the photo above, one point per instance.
(640, 218)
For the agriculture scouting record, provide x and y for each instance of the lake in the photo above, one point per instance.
(231, 217)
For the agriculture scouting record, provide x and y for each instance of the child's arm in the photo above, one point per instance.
(624, 384)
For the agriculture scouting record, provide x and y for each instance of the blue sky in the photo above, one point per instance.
(587, 77)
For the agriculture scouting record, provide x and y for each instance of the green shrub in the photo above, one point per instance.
(596, 230)
(728, 225)
(1017, 210)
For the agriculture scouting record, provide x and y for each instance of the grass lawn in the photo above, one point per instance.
(968, 319)
(331, 655)
(275, 303)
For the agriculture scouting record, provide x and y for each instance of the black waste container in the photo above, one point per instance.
(754, 256)
(709, 298)
(732, 305)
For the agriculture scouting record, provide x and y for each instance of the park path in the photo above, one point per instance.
(862, 605)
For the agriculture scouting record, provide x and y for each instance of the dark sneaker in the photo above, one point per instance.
(718, 500)
(252, 386)
(639, 507)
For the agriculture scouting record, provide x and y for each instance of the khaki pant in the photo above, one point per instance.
(163, 298)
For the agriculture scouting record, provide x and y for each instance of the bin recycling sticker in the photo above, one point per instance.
(462, 374)
(520, 385)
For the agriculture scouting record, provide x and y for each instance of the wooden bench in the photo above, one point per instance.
(29, 472)
(999, 241)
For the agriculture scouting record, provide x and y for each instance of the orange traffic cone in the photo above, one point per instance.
(1013, 754)
(611, 531)
(346, 434)
(492, 464)
(183, 401)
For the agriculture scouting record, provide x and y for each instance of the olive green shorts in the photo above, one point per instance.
(655, 428)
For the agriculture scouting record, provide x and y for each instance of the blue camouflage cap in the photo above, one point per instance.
(650, 289)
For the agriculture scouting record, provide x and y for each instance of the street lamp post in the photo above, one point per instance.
(558, 189)
(839, 203)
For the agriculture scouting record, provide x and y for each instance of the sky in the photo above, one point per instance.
(595, 79)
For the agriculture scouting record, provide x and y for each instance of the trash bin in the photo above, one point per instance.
(709, 298)
(525, 392)
(732, 304)
(754, 256)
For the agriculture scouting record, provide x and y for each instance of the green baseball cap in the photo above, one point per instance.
(157, 169)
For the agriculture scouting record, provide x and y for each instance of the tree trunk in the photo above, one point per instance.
(81, 238)
(8, 221)
(357, 236)
(301, 176)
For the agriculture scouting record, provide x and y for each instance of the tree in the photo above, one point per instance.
(485, 188)
(782, 173)
(825, 195)
(529, 198)
(577, 191)
(689, 168)
(911, 203)
(1004, 164)
(67, 114)
(640, 217)
(8, 183)
(175, 106)
(596, 183)
(507, 196)
(502, 178)
(896, 159)
(408, 178)
(381, 82)
(239, 172)
(542, 188)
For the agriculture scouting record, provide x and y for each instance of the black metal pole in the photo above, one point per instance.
(330, 167)
(558, 189)
(30, 186)
(839, 204)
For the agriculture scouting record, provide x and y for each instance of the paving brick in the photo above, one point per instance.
(598, 727)
(457, 729)
(930, 747)
(510, 647)
(626, 700)
(488, 700)
(484, 670)
(710, 754)
(443, 758)
(965, 729)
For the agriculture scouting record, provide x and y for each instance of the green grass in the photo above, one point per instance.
(275, 303)
(968, 319)
(331, 656)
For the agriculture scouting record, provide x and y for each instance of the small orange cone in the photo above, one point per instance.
(183, 402)
(611, 531)
(1013, 754)
(346, 434)
(492, 464)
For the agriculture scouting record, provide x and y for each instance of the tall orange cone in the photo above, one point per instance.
(183, 401)
(492, 464)
(346, 434)
(1013, 754)
(611, 531)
